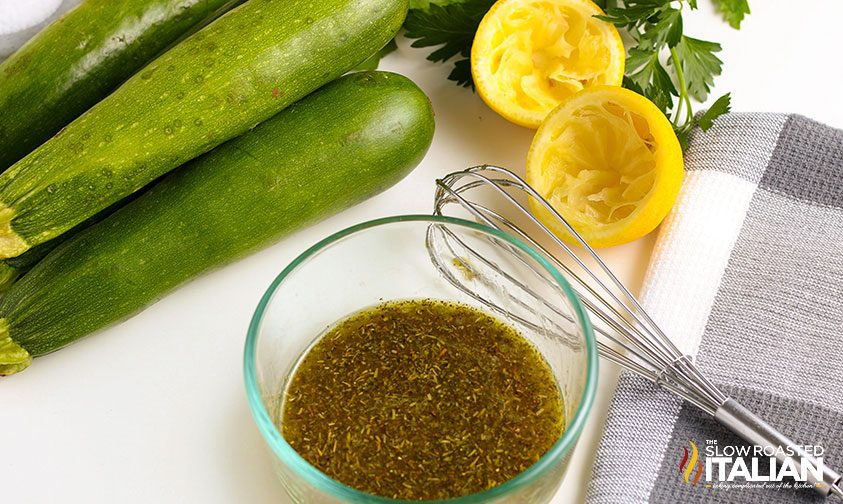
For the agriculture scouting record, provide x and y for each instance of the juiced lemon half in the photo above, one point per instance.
(608, 161)
(529, 55)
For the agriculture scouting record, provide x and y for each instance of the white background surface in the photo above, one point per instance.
(153, 410)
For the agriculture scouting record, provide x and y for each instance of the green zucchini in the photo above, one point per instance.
(13, 267)
(8, 275)
(82, 57)
(346, 142)
(217, 84)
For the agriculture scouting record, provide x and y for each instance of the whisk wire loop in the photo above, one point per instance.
(629, 326)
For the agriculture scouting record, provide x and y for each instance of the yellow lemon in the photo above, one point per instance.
(608, 161)
(529, 55)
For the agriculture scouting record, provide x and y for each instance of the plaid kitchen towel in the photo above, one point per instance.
(747, 276)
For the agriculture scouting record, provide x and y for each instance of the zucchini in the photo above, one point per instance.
(239, 71)
(13, 267)
(8, 275)
(82, 57)
(348, 141)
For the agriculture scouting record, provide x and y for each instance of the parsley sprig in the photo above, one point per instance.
(659, 45)
(733, 11)
(663, 64)
(452, 26)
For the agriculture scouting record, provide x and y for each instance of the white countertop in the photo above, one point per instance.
(153, 410)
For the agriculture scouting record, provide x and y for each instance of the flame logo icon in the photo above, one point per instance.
(690, 461)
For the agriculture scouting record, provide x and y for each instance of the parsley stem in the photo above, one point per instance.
(683, 88)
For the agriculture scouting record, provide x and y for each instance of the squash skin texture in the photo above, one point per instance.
(348, 141)
(83, 56)
(239, 71)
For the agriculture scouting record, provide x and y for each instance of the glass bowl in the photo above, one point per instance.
(391, 259)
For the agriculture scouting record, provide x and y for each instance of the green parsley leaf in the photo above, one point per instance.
(425, 4)
(655, 28)
(634, 13)
(607, 4)
(632, 86)
(461, 74)
(717, 109)
(652, 80)
(704, 120)
(733, 11)
(667, 30)
(683, 133)
(452, 27)
(699, 64)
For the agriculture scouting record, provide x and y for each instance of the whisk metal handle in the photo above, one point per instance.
(753, 429)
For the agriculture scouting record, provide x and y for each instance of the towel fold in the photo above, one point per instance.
(747, 277)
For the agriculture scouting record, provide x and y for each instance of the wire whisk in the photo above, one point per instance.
(626, 334)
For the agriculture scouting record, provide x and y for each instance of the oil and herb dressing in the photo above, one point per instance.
(422, 399)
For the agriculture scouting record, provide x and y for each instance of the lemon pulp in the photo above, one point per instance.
(607, 160)
(600, 165)
(529, 55)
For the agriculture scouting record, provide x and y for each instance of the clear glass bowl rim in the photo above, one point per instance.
(334, 488)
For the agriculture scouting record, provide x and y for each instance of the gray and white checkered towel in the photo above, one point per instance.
(747, 276)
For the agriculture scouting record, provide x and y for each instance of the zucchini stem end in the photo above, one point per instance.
(11, 243)
(13, 357)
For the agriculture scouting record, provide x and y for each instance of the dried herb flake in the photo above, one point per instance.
(422, 399)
